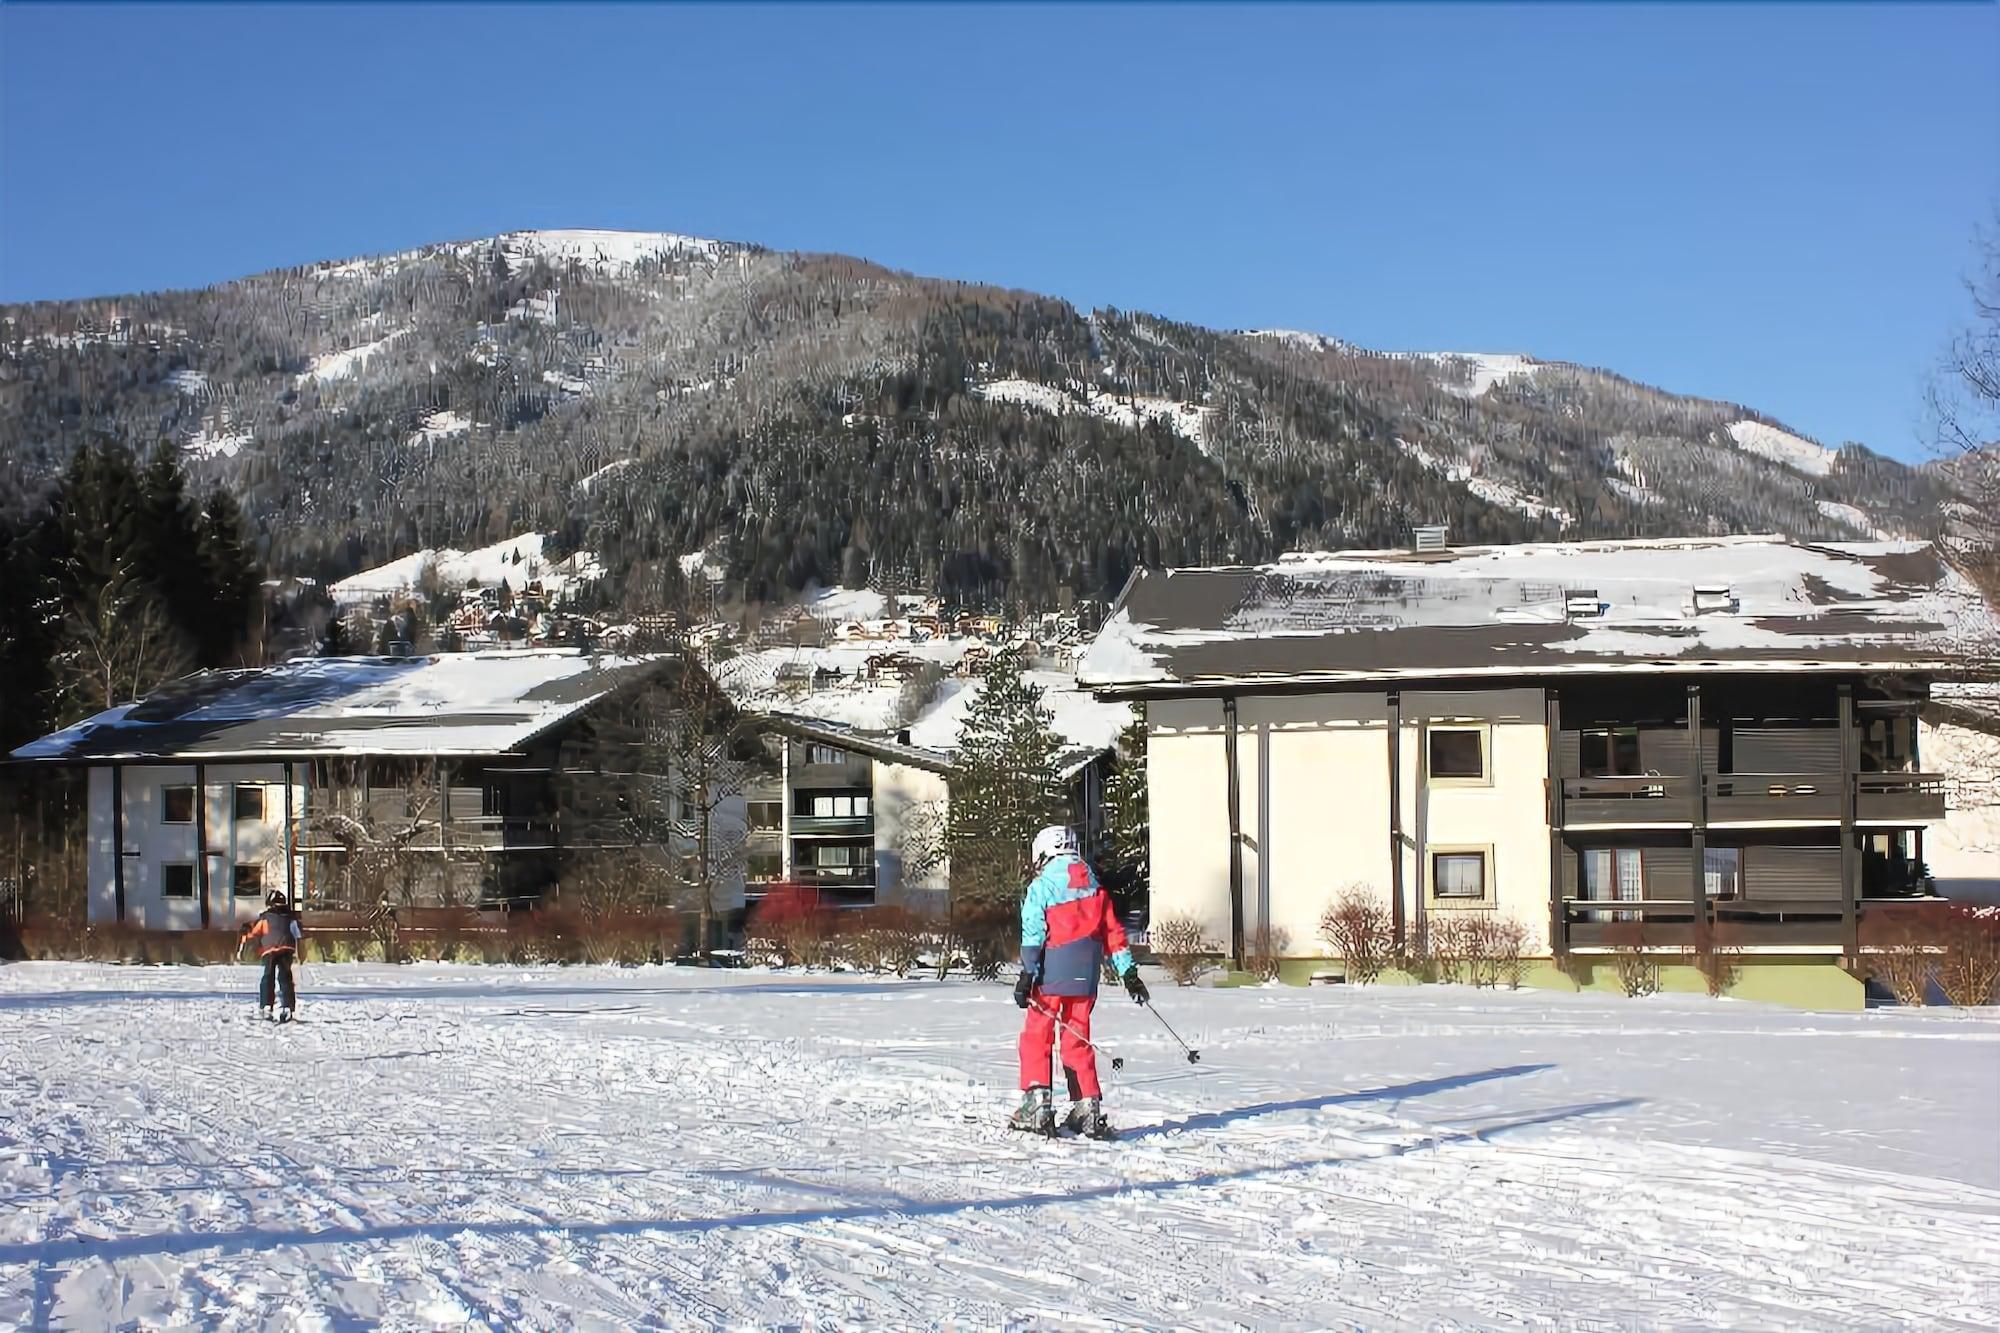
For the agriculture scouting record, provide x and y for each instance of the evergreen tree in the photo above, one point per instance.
(1127, 826)
(1007, 786)
(230, 581)
(25, 648)
(168, 530)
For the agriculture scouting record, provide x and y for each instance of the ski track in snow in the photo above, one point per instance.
(596, 1148)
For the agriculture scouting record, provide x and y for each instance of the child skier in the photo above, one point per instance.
(1068, 924)
(277, 933)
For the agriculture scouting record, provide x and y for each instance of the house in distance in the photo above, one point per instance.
(465, 780)
(1719, 736)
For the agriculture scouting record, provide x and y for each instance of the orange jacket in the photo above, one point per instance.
(276, 930)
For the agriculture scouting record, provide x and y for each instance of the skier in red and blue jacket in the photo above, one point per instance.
(1068, 925)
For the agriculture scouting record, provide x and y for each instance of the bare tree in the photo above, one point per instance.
(1965, 412)
(118, 644)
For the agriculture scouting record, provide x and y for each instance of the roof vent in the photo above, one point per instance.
(1430, 537)
(1584, 604)
(1713, 597)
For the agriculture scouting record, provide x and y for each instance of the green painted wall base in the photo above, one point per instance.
(1802, 983)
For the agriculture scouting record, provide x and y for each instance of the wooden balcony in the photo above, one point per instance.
(1898, 797)
(1780, 798)
(1652, 799)
(833, 826)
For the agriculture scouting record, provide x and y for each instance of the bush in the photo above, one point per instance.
(1638, 971)
(1968, 963)
(1357, 926)
(790, 927)
(982, 936)
(1903, 962)
(1265, 950)
(1717, 958)
(1479, 948)
(1181, 946)
(885, 939)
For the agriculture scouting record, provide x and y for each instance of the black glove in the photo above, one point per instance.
(1023, 985)
(1136, 988)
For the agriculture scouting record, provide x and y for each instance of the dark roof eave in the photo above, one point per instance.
(1250, 684)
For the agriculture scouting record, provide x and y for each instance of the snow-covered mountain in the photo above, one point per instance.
(809, 418)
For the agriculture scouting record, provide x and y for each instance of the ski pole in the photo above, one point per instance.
(1117, 1061)
(1194, 1056)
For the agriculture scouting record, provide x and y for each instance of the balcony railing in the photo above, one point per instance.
(1911, 796)
(1651, 799)
(853, 826)
(1749, 798)
(1782, 797)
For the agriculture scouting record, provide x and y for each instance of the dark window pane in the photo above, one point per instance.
(1459, 874)
(177, 881)
(249, 881)
(177, 805)
(1457, 754)
(250, 803)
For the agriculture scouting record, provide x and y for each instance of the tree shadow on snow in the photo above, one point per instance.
(493, 991)
(80, 1248)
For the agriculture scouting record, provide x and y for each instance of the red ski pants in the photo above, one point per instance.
(1038, 1035)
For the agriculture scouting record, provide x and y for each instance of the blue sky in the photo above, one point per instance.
(1772, 204)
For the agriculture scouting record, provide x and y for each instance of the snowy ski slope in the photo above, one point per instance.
(592, 1148)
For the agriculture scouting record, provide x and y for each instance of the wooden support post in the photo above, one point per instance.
(118, 840)
(1699, 767)
(291, 843)
(1235, 831)
(1398, 925)
(1850, 861)
(201, 839)
(1558, 916)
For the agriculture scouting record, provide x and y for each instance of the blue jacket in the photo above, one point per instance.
(1068, 924)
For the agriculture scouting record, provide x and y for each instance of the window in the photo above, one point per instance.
(1614, 874)
(249, 803)
(177, 880)
(249, 881)
(1459, 876)
(1885, 745)
(1457, 754)
(763, 867)
(837, 805)
(833, 855)
(177, 805)
(767, 814)
(825, 754)
(1609, 752)
(1722, 871)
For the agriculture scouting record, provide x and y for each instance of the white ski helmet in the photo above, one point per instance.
(1053, 841)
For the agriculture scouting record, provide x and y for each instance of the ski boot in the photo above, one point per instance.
(264, 1012)
(1035, 1115)
(284, 1015)
(1086, 1117)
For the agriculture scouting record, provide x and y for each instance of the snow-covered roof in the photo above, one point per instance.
(1543, 608)
(455, 704)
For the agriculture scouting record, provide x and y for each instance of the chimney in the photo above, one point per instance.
(1430, 537)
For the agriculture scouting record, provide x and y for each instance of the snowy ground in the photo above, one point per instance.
(591, 1148)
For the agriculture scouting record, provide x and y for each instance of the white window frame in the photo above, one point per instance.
(1488, 896)
(236, 814)
(194, 881)
(236, 879)
(1484, 731)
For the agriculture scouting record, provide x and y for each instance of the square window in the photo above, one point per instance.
(249, 803)
(835, 856)
(249, 880)
(1458, 876)
(1457, 754)
(767, 814)
(1607, 752)
(177, 880)
(177, 804)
